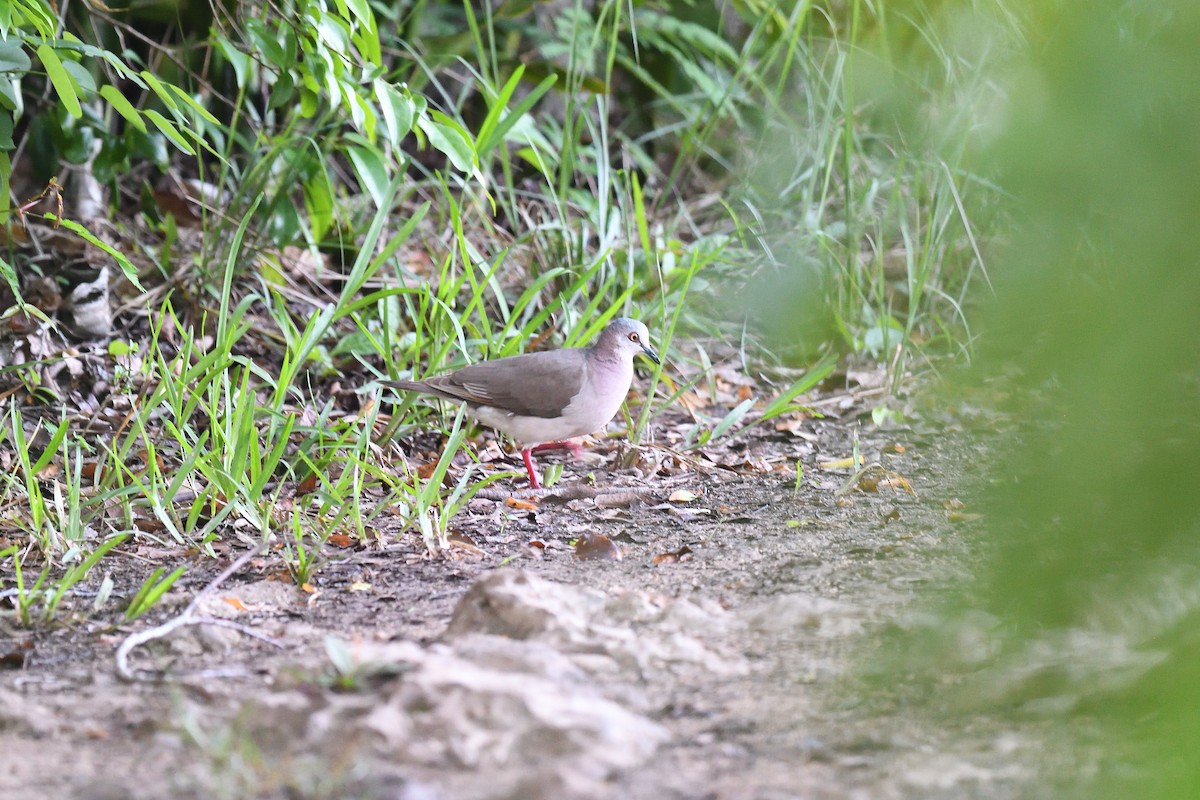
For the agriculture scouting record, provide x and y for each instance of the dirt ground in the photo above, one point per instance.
(717, 658)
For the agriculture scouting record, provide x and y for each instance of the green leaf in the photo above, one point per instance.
(39, 14)
(83, 78)
(76, 148)
(451, 140)
(308, 103)
(365, 34)
(372, 173)
(366, 119)
(367, 43)
(495, 127)
(157, 86)
(732, 418)
(10, 277)
(123, 69)
(125, 264)
(266, 41)
(122, 106)
(135, 606)
(237, 59)
(397, 108)
(783, 403)
(499, 105)
(362, 11)
(10, 97)
(319, 199)
(61, 79)
(5, 175)
(192, 102)
(168, 130)
(52, 447)
(283, 93)
(13, 57)
(695, 37)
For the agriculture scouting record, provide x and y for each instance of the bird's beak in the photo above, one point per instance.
(650, 354)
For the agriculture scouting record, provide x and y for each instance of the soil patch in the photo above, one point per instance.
(714, 659)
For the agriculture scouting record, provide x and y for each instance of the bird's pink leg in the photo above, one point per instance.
(528, 458)
(573, 447)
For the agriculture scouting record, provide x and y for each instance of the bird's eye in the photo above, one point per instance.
(633, 337)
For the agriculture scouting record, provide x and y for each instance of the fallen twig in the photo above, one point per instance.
(185, 618)
(575, 491)
(870, 477)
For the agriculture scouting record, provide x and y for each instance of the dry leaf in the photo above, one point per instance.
(691, 402)
(873, 476)
(308, 485)
(178, 206)
(462, 541)
(597, 547)
(895, 480)
(673, 557)
(523, 505)
(18, 656)
(840, 463)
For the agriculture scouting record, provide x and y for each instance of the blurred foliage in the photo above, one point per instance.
(868, 210)
(1097, 304)
(1079, 133)
(1085, 122)
(1098, 296)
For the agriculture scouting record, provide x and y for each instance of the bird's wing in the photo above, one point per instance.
(531, 385)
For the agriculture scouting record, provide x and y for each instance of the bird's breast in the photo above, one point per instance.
(601, 396)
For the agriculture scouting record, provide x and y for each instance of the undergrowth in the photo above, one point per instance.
(338, 193)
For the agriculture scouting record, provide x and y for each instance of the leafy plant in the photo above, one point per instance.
(301, 552)
(46, 590)
(151, 591)
(425, 508)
